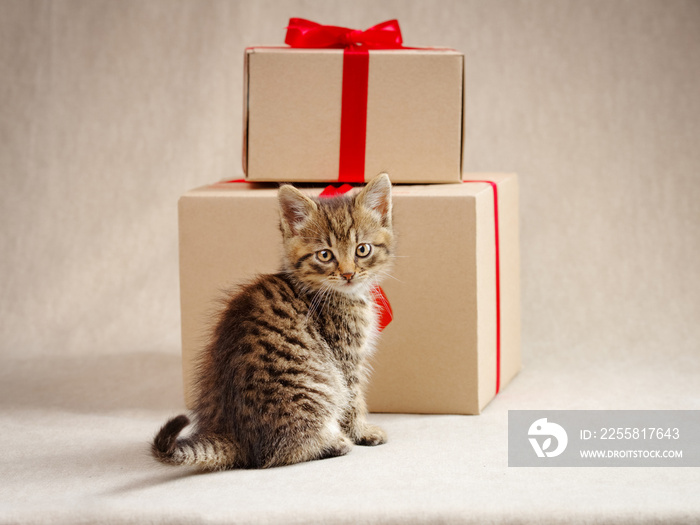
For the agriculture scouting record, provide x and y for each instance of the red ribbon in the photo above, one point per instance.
(305, 33)
(494, 187)
(332, 191)
(386, 314)
(356, 44)
(353, 116)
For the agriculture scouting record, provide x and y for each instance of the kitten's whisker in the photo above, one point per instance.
(383, 300)
(319, 299)
(387, 274)
(327, 297)
(314, 302)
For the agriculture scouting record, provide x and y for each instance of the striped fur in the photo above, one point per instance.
(284, 376)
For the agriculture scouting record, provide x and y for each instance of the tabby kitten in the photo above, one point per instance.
(283, 379)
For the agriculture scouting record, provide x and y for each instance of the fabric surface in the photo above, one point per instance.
(75, 450)
(110, 110)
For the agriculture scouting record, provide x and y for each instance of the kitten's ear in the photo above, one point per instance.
(376, 197)
(295, 208)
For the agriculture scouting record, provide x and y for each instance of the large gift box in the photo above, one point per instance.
(454, 340)
(325, 115)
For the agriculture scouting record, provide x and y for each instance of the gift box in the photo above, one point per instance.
(454, 340)
(311, 117)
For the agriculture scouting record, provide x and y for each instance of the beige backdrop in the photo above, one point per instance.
(112, 109)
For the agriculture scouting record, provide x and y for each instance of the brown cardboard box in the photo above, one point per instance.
(292, 114)
(439, 355)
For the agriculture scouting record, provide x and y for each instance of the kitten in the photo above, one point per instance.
(283, 379)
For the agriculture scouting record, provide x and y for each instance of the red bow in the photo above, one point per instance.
(305, 33)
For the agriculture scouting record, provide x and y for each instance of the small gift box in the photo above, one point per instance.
(344, 105)
(454, 340)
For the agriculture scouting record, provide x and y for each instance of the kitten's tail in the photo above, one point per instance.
(205, 452)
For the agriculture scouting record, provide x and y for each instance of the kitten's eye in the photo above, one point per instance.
(324, 255)
(363, 250)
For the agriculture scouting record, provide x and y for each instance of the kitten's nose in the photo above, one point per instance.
(348, 276)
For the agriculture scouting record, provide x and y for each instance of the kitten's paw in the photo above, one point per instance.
(339, 447)
(370, 436)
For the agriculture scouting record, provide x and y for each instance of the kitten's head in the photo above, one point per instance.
(344, 243)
